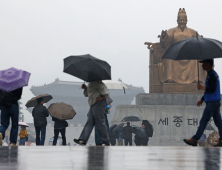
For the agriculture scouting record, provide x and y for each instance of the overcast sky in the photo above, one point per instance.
(35, 35)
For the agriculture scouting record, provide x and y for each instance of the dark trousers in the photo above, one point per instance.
(56, 134)
(212, 109)
(144, 141)
(96, 117)
(97, 137)
(128, 141)
(42, 130)
(8, 112)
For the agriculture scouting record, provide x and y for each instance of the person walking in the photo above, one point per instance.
(96, 93)
(59, 126)
(39, 114)
(23, 134)
(120, 139)
(127, 134)
(144, 141)
(10, 109)
(212, 99)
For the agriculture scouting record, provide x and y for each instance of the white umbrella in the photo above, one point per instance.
(114, 84)
(23, 124)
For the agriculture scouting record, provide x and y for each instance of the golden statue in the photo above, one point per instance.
(180, 71)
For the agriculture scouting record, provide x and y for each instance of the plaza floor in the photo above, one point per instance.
(109, 158)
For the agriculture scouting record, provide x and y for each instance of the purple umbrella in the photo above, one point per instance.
(12, 79)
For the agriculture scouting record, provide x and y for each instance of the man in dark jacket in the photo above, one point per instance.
(59, 126)
(127, 134)
(39, 114)
(212, 99)
(10, 110)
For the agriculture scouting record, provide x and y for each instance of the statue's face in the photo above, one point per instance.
(182, 21)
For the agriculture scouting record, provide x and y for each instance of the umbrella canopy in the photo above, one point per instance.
(111, 84)
(209, 127)
(33, 102)
(12, 79)
(87, 68)
(23, 124)
(112, 127)
(139, 131)
(131, 119)
(118, 127)
(61, 111)
(196, 48)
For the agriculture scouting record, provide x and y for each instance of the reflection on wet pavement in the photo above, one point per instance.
(108, 158)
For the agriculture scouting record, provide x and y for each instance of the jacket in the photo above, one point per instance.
(212, 84)
(39, 114)
(23, 133)
(59, 124)
(127, 132)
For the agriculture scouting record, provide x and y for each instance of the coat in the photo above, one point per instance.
(59, 124)
(39, 113)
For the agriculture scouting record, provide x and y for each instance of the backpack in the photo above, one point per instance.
(6, 98)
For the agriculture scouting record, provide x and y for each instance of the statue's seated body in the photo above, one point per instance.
(170, 76)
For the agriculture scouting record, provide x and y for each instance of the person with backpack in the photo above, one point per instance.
(10, 110)
(40, 113)
(59, 127)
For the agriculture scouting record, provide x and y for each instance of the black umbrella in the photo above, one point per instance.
(209, 127)
(131, 119)
(196, 48)
(149, 128)
(118, 127)
(87, 68)
(112, 127)
(33, 101)
(139, 131)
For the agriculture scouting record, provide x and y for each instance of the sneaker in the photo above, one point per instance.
(80, 142)
(191, 142)
(219, 144)
(12, 144)
(105, 144)
(1, 137)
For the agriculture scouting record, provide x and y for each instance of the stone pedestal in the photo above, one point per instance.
(174, 116)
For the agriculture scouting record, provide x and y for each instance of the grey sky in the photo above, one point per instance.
(35, 35)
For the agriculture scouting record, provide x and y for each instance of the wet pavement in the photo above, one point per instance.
(109, 158)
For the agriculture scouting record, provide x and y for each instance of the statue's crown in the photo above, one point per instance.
(182, 11)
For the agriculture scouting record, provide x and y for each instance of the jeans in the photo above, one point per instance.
(97, 137)
(56, 134)
(8, 112)
(212, 109)
(128, 141)
(41, 129)
(22, 141)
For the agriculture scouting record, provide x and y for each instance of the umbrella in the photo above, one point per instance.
(115, 85)
(23, 124)
(131, 119)
(87, 68)
(209, 127)
(33, 102)
(196, 48)
(61, 111)
(149, 128)
(112, 127)
(118, 127)
(139, 131)
(12, 79)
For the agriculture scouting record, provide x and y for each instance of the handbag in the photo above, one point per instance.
(26, 138)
